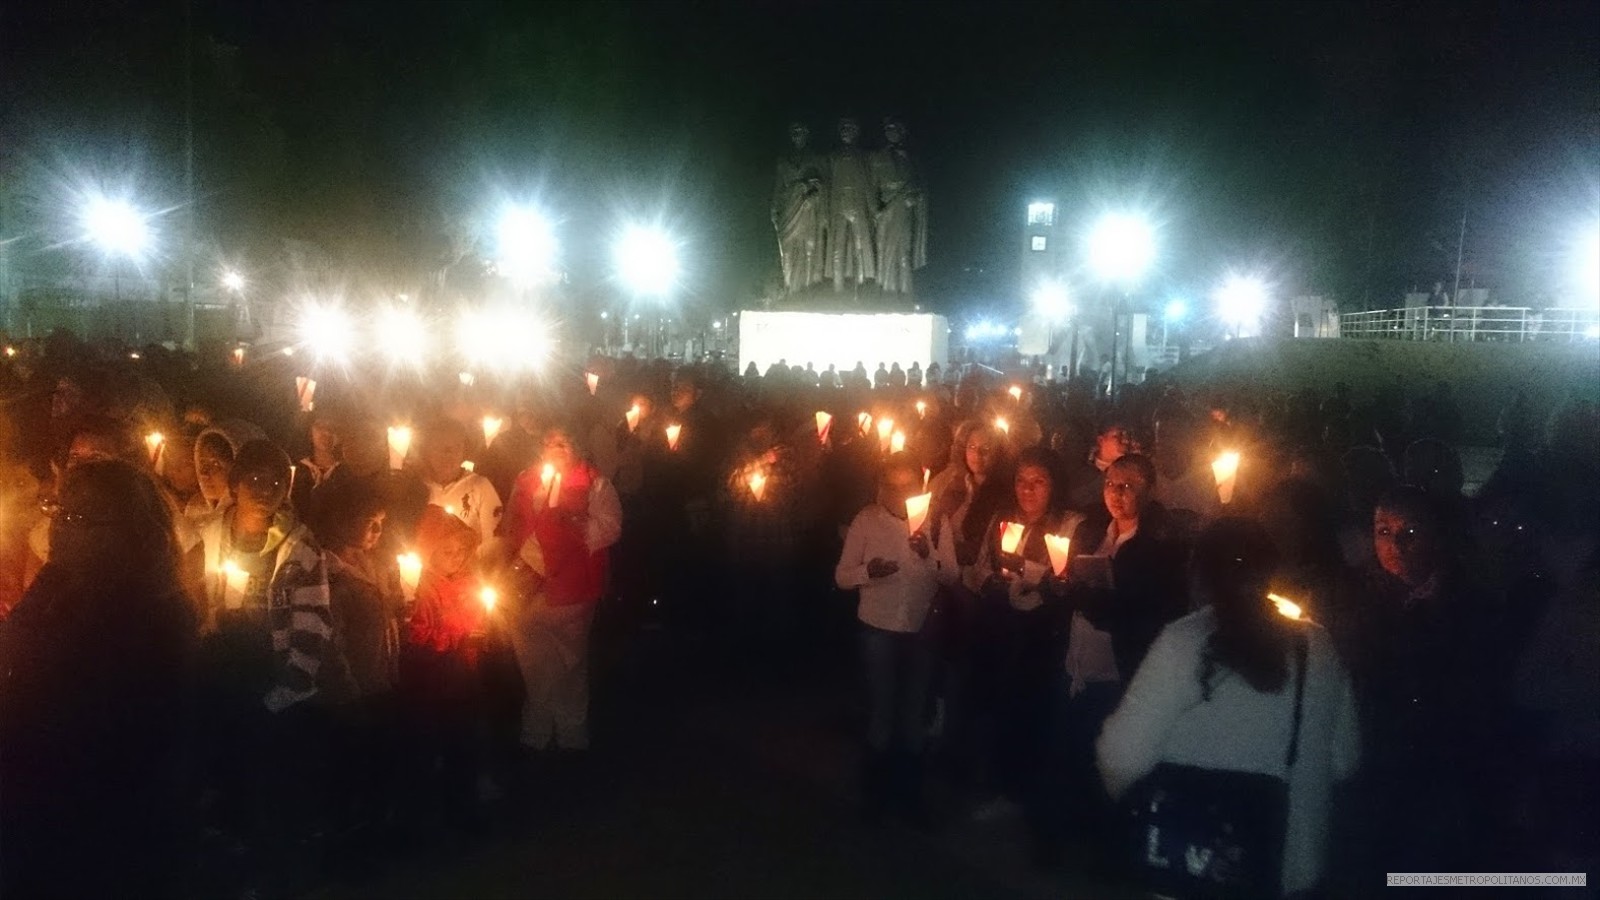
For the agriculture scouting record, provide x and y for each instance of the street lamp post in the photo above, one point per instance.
(646, 262)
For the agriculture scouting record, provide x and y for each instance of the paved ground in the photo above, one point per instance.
(710, 780)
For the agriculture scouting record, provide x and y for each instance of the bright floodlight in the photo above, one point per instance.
(402, 337)
(1176, 310)
(116, 227)
(1241, 301)
(503, 340)
(647, 261)
(1121, 248)
(327, 331)
(1587, 264)
(525, 246)
(233, 281)
(1052, 301)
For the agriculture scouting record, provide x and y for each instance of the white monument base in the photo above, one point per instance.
(842, 339)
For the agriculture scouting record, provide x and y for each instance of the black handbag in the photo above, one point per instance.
(1210, 832)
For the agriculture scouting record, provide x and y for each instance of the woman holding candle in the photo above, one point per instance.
(557, 535)
(93, 703)
(897, 578)
(1019, 618)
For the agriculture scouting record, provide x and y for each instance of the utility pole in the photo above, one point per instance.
(188, 175)
(1461, 242)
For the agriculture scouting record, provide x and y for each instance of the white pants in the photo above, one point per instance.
(552, 647)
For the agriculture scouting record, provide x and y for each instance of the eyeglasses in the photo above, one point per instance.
(263, 481)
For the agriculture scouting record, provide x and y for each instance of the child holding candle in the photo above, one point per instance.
(897, 577)
(439, 662)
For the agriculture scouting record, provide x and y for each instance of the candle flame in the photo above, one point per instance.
(758, 484)
(593, 381)
(897, 442)
(1003, 426)
(1016, 393)
(922, 409)
(467, 379)
(885, 428)
(824, 425)
(1225, 466)
(489, 596)
(917, 511)
(673, 431)
(491, 428)
(1058, 547)
(547, 473)
(632, 416)
(1286, 607)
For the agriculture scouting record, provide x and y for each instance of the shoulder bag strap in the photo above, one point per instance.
(1300, 654)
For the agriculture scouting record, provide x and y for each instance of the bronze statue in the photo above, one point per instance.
(850, 205)
(800, 213)
(901, 221)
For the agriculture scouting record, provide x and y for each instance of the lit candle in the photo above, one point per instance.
(824, 425)
(550, 480)
(467, 379)
(491, 428)
(1016, 392)
(917, 511)
(922, 409)
(632, 416)
(897, 442)
(305, 389)
(758, 484)
(469, 465)
(410, 574)
(1011, 536)
(489, 596)
(1058, 547)
(238, 356)
(673, 431)
(864, 419)
(1226, 470)
(235, 582)
(1286, 607)
(1003, 426)
(155, 440)
(593, 381)
(11, 351)
(399, 445)
(926, 474)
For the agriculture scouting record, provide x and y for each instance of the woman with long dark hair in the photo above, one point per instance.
(1217, 692)
(96, 661)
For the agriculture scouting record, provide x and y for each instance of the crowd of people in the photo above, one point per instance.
(211, 638)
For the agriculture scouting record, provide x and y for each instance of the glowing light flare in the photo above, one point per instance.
(1016, 392)
(327, 331)
(233, 281)
(489, 597)
(757, 481)
(897, 442)
(550, 482)
(402, 337)
(116, 227)
(1241, 301)
(1586, 264)
(647, 261)
(502, 340)
(491, 428)
(1176, 311)
(1052, 301)
(1122, 247)
(1002, 425)
(153, 442)
(525, 246)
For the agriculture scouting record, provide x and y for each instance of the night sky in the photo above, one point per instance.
(1332, 146)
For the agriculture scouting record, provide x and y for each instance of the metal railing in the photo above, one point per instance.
(1513, 324)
